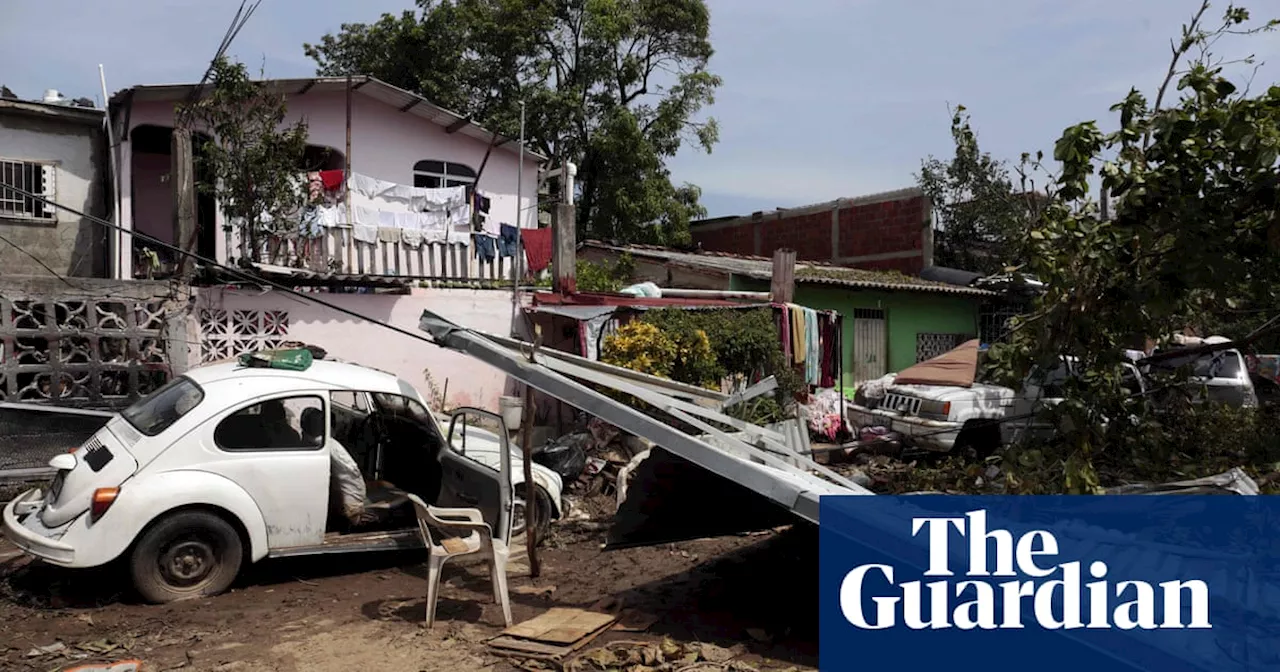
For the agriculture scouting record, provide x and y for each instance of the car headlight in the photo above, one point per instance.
(939, 409)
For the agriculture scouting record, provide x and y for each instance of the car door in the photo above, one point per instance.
(261, 446)
(470, 483)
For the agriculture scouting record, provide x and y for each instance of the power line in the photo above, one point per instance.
(247, 277)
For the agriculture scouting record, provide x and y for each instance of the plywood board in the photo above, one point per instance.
(561, 625)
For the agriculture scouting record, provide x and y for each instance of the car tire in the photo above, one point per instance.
(185, 554)
(544, 513)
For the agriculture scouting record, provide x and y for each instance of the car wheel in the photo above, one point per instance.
(186, 554)
(543, 522)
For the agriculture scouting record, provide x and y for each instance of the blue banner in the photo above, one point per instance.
(1166, 583)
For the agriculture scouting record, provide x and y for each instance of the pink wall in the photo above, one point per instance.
(422, 364)
(385, 144)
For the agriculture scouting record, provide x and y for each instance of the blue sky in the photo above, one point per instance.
(821, 98)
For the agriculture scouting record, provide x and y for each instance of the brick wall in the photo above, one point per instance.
(881, 232)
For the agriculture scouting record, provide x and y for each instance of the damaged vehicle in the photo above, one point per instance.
(940, 404)
(233, 463)
(1221, 376)
(937, 404)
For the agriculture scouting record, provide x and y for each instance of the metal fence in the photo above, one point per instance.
(31, 435)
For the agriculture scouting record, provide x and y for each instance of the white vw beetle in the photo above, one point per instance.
(232, 463)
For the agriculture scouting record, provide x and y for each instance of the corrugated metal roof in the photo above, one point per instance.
(372, 87)
(807, 272)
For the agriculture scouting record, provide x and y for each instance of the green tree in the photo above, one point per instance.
(252, 158)
(616, 86)
(1195, 235)
(981, 220)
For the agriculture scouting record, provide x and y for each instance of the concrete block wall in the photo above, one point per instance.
(889, 231)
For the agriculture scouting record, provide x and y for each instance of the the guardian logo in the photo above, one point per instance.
(1053, 595)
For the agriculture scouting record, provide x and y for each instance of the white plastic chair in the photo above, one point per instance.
(480, 540)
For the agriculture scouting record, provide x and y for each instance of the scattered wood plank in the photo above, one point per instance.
(552, 636)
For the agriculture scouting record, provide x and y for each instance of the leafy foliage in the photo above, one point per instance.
(981, 219)
(252, 157)
(643, 347)
(1196, 235)
(614, 85)
(745, 342)
(605, 276)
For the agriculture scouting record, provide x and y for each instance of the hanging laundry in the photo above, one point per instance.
(309, 225)
(315, 187)
(813, 359)
(434, 225)
(484, 247)
(409, 225)
(799, 347)
(442, 198)
(331, 179)
(537, 248)
(508, 240)
(783, 324)
(366, 224)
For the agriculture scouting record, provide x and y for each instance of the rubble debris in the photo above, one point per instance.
(533, 590)
(119, 666)
(566, 455)
(641, 656)
(1234, 481)
(47, 650)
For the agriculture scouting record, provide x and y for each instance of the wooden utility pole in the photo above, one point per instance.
(564, 239)
(782, 288)
(531, 488)
(182, 173)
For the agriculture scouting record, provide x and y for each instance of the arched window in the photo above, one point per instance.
(434, 174)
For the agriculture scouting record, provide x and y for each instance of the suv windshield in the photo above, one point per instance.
(160, 409)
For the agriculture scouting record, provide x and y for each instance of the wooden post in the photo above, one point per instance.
(783, 286)
(346, 185)
(526, 451)
(182, 172)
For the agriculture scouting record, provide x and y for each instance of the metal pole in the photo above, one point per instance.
(346, 185)
(516, 274)
(526, 447)
(117, 263)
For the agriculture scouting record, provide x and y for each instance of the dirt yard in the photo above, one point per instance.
(755, 595)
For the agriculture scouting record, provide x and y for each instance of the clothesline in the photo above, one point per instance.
(811, 342)
(416, 215)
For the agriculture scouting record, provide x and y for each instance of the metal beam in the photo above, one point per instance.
(794, 488)
(456, 126)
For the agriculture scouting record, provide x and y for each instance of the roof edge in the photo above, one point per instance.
(358, 83)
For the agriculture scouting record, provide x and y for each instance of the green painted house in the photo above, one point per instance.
(891, 320)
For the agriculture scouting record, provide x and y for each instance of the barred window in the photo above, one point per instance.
(30, 176)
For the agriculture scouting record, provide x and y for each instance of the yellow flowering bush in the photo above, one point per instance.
(685, 356)
(642, 347)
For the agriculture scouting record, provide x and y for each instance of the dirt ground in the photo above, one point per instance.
(757, 593)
